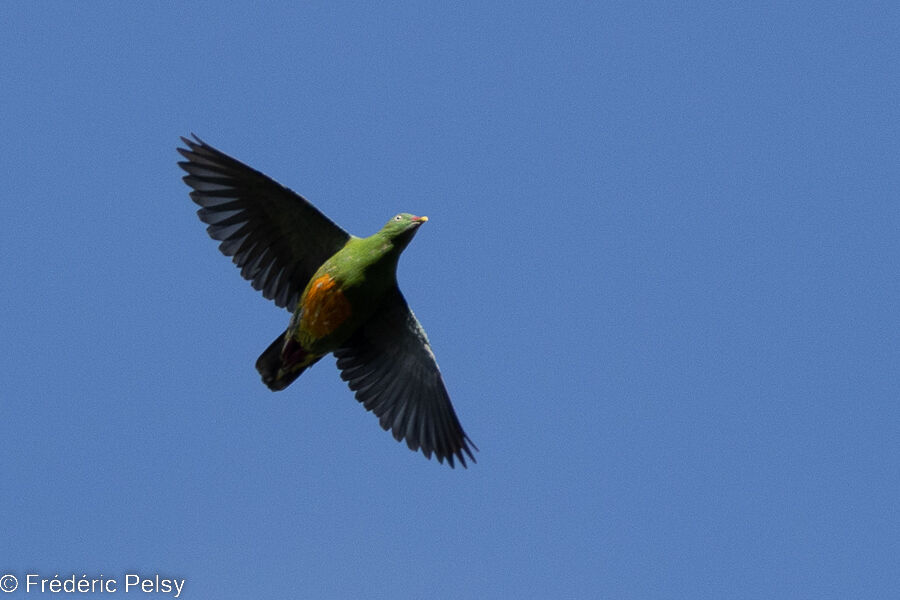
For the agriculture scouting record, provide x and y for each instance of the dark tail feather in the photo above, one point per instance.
(275, 374)
(269, 363)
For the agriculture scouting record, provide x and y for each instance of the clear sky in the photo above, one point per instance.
(661, 276)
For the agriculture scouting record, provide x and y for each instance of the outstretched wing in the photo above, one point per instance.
(388, 362)
(275, 236)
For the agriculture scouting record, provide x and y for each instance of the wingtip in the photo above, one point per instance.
(192, 143)
(459, 455)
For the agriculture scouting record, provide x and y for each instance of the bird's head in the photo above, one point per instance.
(401, 228)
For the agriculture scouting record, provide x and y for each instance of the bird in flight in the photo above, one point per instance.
(342, 292)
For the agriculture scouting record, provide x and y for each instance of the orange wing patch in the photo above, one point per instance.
(324, 307)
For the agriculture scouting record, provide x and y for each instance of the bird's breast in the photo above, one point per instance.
(324, 307)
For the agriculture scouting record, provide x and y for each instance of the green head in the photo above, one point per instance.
(401, 229)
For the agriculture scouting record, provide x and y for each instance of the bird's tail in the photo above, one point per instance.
(280, 364)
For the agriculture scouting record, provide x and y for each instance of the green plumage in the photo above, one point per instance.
(342, 291)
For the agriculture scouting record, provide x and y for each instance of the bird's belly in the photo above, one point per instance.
(324, 308)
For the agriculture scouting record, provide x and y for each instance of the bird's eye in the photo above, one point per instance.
(398, 218)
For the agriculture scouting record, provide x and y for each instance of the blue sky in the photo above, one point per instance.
(660, 276)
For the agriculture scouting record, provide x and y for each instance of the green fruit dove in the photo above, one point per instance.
(342, 291)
